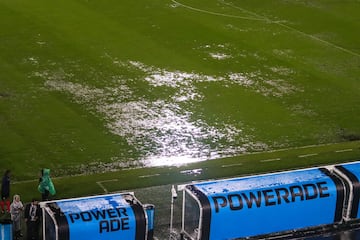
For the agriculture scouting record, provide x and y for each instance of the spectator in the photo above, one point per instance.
(46, 186)
(16, 208)
(32, 216)
(5, 192)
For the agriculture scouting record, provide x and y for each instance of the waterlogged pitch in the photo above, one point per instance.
(100, 85)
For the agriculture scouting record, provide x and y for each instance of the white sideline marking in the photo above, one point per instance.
(319, 39)
(296, 30)
(26, 181)
(254, 153)
(218, 14)
(270, 160)
(147, 176)
(344, 150)
(308, 155)
(100, 183)
(250, 12)
(231, 165)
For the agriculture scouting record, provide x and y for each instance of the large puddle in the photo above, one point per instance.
(163, 127)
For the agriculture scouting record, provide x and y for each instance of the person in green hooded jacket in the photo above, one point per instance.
(46, 186)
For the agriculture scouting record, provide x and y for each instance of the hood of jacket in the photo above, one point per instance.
(46, 172)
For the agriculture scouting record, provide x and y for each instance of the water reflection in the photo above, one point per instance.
(163, 127)
(172, 160)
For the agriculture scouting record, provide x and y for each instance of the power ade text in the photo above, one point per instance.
(111, 220)
(271, 197)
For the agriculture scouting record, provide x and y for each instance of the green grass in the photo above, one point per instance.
(287, 159)
(80, 85)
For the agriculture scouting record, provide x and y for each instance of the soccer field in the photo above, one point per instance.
(93, 86)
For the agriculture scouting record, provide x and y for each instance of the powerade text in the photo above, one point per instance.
(271, 197)
(110, 220)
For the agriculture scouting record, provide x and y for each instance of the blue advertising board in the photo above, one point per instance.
(100, 217)
(6, 230)
(264, 204)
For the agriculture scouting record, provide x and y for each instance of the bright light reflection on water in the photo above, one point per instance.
(172, 160)
(161, 129)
